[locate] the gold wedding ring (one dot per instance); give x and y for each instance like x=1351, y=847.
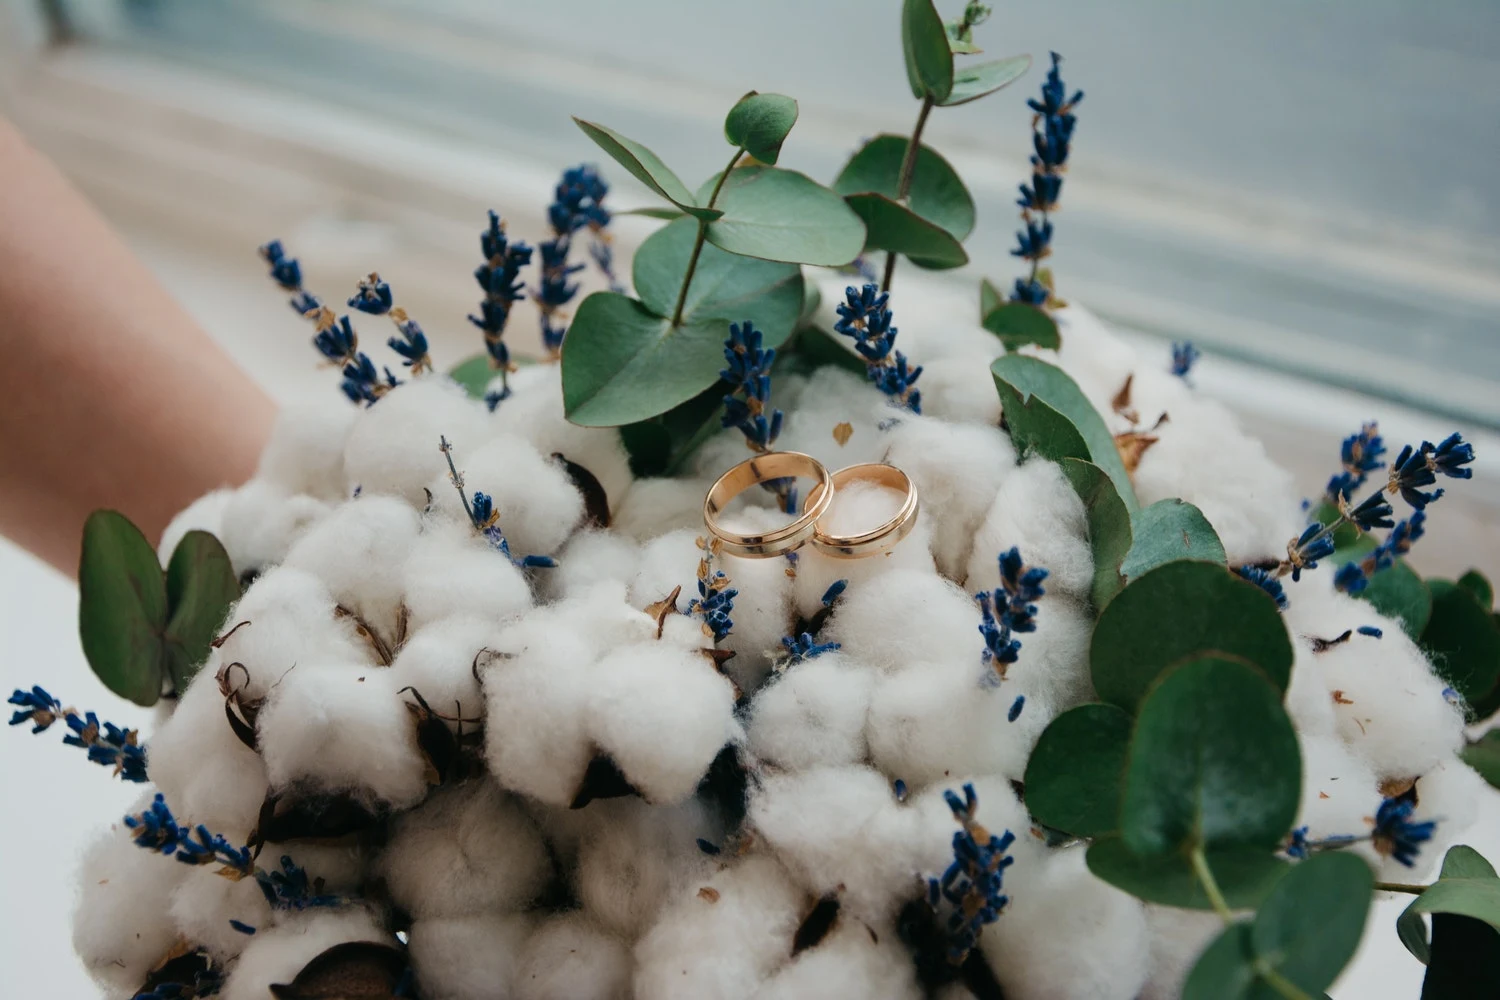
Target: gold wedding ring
x=880, y=539
x=760, y=469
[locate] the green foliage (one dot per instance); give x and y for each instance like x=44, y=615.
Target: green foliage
x=1466, y=886
x=893, y=227
x=1074, y=777
x=1018, y=324
x=1463, y=642
x=1109, y=525
x=1245, y=875
x=646, y=167
x=658, y=446
x=929, y=60
x=474, y=374
x=1169, y=530
x=936, y=192
x=1483, y=755
x=1396, y=591
x=143, y=628
x=1179, y=611
x=970, y=83
x=1475, y=583
x=759, y=124
x=781, y=215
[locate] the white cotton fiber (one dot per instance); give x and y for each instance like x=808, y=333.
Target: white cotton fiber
x=276, y=954
x=662, y=713
x=1054, y=660
x=929, y=844
x=121, y=925
x=858, y=508
x=537, y=739
x=453, y=571
x=762, y=609
x=723, y=935
x=1308, y=700
x=1037, y=511
x=588, y=557
x=667, y=562
x=962, y=389
x=355, y=550
x=305, y=453
x=1177, y=938
x=342, y=727
x=957, y=470
x=204, y=903
x=340, y=865
x=655, y=507
x=537, y=504
x=468, y=849
x=831, y=397
x=472, y=957
x=1067, y=935
x=393, y=447
x=905, y=616
x=1338, y=790
x=1091, y=353
x=812, y=714
x=569, y=957
x=261, y=521
x=633, y=857
x=1448, y=793
x=204, y=514
x=438, y=662
x=207, y=774
x=853, y=962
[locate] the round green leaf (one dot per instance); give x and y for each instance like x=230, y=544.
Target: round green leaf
x=1109, y=525
x=724, y=286
x=759, y=124
x=650, y=212
x=1019, y=323
x=1225, y=970
x=1462, y=640
x=201, y=588
x=1475, y=583
x=924, y=41
x=989, y=298
x=122, y=607
x=936, y=192
x=1310, y=925
x=781, y=215
x=1073, y=779
x=1396, y=591
x=1049, y=415
x=1483, y=755
x=1213, y=761
x=1169, y=530
x=892, y=226
x=1467, y=886
x=474, y=374
x=1177, y=611
x=1245, y=876
x=970, y=83
x=646, y=167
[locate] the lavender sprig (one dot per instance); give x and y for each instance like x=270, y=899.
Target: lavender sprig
x=374, y=297
x=715, y=601
x=107, y=744
x=485, y=518
x=1052, y=134
x=1009, y=609
x=500, y=278
x=577, y=204
x=748, y=371
x=863, y=317
x=973, y=883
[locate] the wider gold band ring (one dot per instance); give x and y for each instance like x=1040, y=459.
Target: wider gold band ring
x=882, y=538
x=760, y=469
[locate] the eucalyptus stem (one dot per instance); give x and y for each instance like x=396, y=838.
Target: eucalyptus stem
x=1277, y=981
x=903, y=179
x=687, y=278
x=1210, y=886
x=1415, y=890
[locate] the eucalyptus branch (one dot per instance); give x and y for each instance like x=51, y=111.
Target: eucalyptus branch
x=692, y=265
x=1415, y=890
x=1277, y=981
x=903, y=179
x=1210, y=886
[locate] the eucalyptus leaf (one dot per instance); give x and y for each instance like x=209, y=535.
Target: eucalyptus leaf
x=1050, y=416
x=781, y=215
x=1225, y=970
x=474, y=374
x=1019, y=323
x=1245, y=876
x=1213, y=762
x=1075, y=774
x=201, y=588
x=936, y=192
x=891, y=226
x=122, y=607
x=1396, y=591
x=646, y=167
x=1169, y=530
x=815, y=347
x=1463, y=642
x=651, y=212
x=1476, y=583
x=989, y=298
x=1466, y=886
x=659, y=445
x=759, y=124
x=725, y=285
x=924, y=42
x=1465, y=960
x=1178, y=611
x=1483, y=755
x=972, y=82
x=1110, y=533
x=1309, y=927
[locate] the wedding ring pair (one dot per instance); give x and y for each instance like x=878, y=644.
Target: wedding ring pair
x=805, y=529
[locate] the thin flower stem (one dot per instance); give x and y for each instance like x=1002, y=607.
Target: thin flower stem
x=1415, y=890
x=1210, y=887
x=1278, y=982
x=687, y=278
x=904, y=178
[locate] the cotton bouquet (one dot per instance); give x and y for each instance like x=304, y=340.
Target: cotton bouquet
x=460, y=698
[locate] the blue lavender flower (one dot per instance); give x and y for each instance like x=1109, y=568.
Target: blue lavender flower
x=804, y=647
x=1030, y=291
x=578, y=201
x=899, y=788
x=748, y=370
x=1034, y=242
x=410, y=342
x=1008, y=610
x=1395, y=835
x=1353, y=577
x=554, y=290
x=107, y=744
x=714, y=604
x=1265, y=581
x=362, y=384
x=834, y=592
x=37, y=707
x=1015, y=708
x=1316, y=542
x=485, y=519
x=1184, y=356
x=373, y=296
x=500, y=278
x=972, y=884
x=1360, y=455
x=285, y=271
x=1417, y=467
x=1370, y=513
x=1371, y=631
x=863, y=317
x=203, y=847
x=1052, y=134
x=1296, y=847
x=1299, y=848
x=291, y=889
x=156, y=829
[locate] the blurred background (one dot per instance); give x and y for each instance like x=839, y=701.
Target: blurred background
x=1306, y=189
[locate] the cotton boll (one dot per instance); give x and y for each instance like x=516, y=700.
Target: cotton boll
x=635, y=856
x=537, y=503
x=472, y=957
x=353, y=550
x=261, y=521
x=929, y=846
x=570, y=957
x=597, y=613
x=438, y=662
x=957, y=470
x=342, y=727
x=762, y=609
x=1338, y=789
x=203, y=904
x=204, y=514
x=588, y=557
x=1054, y=660
x=305, y=453
x=905, y=616
x=1178, y=937
x=537, y=739
x=1037, y=511
x=1092, y=354
x=723, y=935
x=276, y=954
x=667, y=562
x=854, y=962
x=1448, y=793
x=1069, y=936
x=451, y=571
x=121, y=925
x=855, y=509
x=1307, y=699
x=962, y=389
x=340, y=865
x=833, y=397
x=812, y=714
x=655, y=507
x=393, y=446
x=662, y=714
x=468, y=849
x=204, y=770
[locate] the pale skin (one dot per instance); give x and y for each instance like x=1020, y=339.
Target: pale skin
x=110, y=394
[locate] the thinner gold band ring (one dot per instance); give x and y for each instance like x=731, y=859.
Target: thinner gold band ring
x=760, y=469
x=879, y=539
